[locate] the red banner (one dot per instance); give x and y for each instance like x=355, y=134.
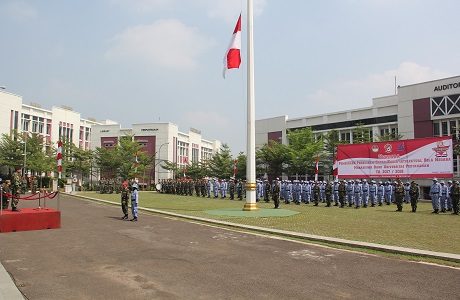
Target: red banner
x=419, y=158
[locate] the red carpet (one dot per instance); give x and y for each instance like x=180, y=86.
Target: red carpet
x=30, y=219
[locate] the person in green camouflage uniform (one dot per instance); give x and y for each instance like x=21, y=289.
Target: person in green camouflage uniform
x=455, y=194
x=414, y=194
x=16, y=186
x=276, y=192
x=328, y=192
x=5, y=190
x=342, y=193
x=124, y=199
x=316, y=192
x=399, y=194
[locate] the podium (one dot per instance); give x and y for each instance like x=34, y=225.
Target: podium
x=30, y=219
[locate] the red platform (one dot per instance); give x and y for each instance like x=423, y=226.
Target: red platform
x=30, y=219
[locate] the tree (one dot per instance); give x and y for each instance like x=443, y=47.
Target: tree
x=78, y=161
x=241, y=166
x=39, y=158
x=362, y=134
x=389, y=137
x=11, y=151
x=221, y=163
x=126, y=160
x=331, y=141
x=171, y=166
x=304, y=149
x=272, y=158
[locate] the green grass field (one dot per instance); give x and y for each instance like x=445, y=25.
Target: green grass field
x=382, y=225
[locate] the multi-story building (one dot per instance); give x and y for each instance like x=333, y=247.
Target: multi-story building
x=163, y=141
x=419, y=110
x=59, y=123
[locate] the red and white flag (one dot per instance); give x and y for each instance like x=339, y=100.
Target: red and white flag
x=316, y=169
x=235, y=168
x=59, y=158
x=334, y=168
x=232, y=59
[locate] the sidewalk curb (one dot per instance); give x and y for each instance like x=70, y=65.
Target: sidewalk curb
x=8, y=290
x=305, y=236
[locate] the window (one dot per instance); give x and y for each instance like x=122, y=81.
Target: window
x=436, y=131
x=345, y=136
x=444, y=128
x=453, y=127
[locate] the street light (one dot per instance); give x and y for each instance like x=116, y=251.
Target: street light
x=25, y=157
x=158, y=164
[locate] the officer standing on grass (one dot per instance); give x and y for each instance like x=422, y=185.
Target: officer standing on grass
x=399, y=194
x=435, y=189
x=414, y=195
x=455, y=195
x=276, y=192
x=342, y=193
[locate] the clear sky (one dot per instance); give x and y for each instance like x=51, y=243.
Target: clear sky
x=136, y=61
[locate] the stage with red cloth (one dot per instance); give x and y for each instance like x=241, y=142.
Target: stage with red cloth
x=30, y=219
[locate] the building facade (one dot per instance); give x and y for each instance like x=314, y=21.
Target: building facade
x=59, y=123
x=419, y=110
x=164, y=141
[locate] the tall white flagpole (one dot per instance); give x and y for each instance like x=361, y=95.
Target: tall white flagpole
x=251, y=137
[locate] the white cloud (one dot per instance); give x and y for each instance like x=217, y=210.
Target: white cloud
x=202, y=119
x=165, y=43
x=18, y=10
x=357, y=93
x=145, y=6
x=229, y=10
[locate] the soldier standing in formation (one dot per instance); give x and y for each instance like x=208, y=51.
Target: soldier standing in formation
x=276, y=192
x=372, y=193
x=16, y=187
x=455, y=195
x=328, y=190
x=414, y=194
x=342, y=193
x=232, y=186
x=435, y=189
x=399, y=194
x=5, y=191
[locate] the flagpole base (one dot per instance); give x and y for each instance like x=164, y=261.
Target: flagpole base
x=250, y=207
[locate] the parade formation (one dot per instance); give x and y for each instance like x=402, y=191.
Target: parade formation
x=341, y=193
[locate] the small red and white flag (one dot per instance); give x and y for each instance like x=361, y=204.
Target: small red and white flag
x=235, y=169
x=334, y=168
x=316, y=169
x=232, y=59
x=59, y=158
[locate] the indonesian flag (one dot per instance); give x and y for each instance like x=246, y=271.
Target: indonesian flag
x=232, y=58
x=59, y=157
x=235, y=169
x=334, y=167
x=316, y=169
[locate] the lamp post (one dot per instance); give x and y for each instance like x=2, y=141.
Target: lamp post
x=25, y=157
x=158, y=164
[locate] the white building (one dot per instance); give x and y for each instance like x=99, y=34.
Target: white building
x=162, y=140
x=419, y=110
x=55, y=124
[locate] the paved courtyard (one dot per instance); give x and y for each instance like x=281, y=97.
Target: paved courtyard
x=95, y=255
